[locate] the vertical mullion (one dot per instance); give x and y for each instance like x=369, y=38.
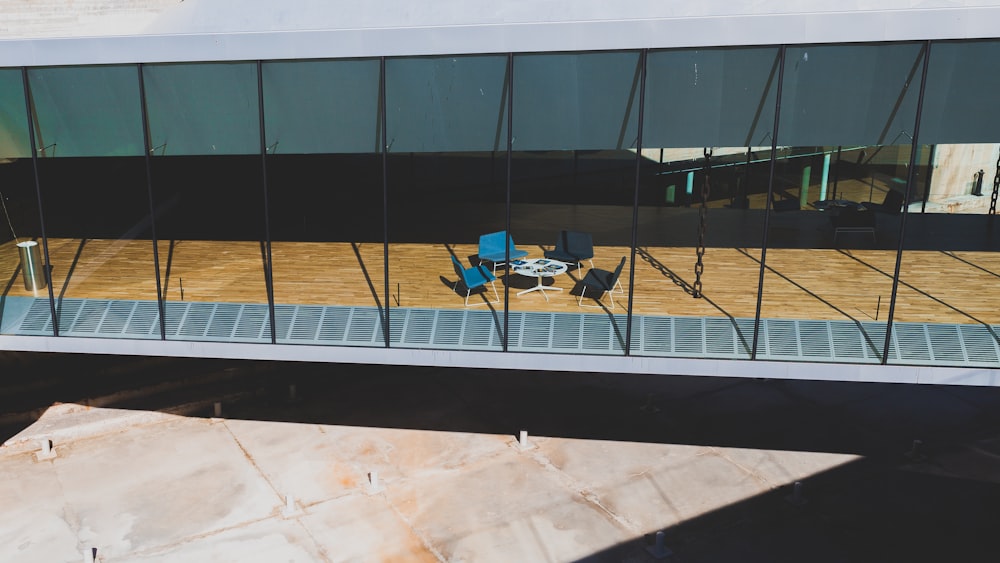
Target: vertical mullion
x=268, y=272
x=385, y=200
x=30, y=108
x=147, y=145
x=911, y=173
x=510, y=144
x=635, y=202
x=768, y=208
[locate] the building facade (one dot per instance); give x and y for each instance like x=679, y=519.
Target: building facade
x=805, y=194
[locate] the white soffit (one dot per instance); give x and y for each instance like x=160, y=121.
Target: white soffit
x=197, y=30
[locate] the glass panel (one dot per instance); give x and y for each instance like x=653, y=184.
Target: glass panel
x=86, y=111
x=443, y=195
x=95, y=200
x=321, y=107
x=722, y=100
x=843, y=149
x=24, y=304
x=576, y=101
x=209, y=207
x=945, y=306
x=205, y=108
x=14, y=142
x=573, y=187
x=325, y=205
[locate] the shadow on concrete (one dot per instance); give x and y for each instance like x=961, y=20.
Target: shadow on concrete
x=941, y=505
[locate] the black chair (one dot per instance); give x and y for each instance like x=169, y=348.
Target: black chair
x=573, y=246
x=891, y=205
x=601, y=282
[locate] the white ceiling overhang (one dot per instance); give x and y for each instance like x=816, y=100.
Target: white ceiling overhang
x=218, y=30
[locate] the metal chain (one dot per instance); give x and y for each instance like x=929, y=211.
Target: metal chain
x=996, y=190
x=699, y=265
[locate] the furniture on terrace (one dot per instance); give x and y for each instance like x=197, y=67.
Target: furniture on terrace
x=491, y=248
x=472, y=278
x=601, y=282
x=573, y=246
x=892, y=204
x=539, y=268
x=853, y=220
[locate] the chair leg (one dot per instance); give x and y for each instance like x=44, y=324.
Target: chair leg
x=599, y=305
x=467, y=293
x=591, y=260
x=495, y=294
x=620, y=288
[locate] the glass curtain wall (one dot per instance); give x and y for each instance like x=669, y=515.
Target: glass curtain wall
x=95, y=199
x=945, y=311
x=846, y=129
x=446, y=122
x=21, y=224
x=575, y=131
x=208, y=200
x=709, y=121
x=325, y=200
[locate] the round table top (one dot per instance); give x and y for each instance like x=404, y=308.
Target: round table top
x=539, y=267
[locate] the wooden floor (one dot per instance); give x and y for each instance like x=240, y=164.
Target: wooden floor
x=828, y=284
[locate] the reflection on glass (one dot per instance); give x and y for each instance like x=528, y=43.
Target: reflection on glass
x=208, y=200
x=707, y=135
x=95, y=200
x=572, y=188
x=847, y=120
x=24, y=305
x=446, y=127
x=325, y=201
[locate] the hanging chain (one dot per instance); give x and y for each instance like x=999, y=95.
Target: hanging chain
x=699, y=265
x=996, y=190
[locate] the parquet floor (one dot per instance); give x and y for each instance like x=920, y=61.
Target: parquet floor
x=935, y=286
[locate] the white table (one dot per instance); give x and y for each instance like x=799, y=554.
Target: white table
x=539, y=268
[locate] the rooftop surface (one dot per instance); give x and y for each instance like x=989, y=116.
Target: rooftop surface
x=610, y=460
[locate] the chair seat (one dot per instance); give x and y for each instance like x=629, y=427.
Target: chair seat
x=501, y=256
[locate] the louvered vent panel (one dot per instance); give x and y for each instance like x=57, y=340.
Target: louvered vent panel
x=814, y=338
x=448, y=328
x=980, y=344
x=66, y=312
x=399, y=320
x=334, y=325
x=567, y=332
x=536, y=330
x=744, y=337
x=873, y=337
x=38, y=320
x=479, y=330
x=720, y=337
x=419, y=327
x=657, y=334
x=618, y=327
x=912, y=342
x=689, y=336
x=89, y=318
x=196, y=320
x=145, y=320
x=946, y=344
x=222, y=323
x=254, y=323
x=596, y=334
x=364, y=324
x=782, y=338
x=175, y=316
x=306, y=324
x=848, y=341
x=284, y=318
x=116, y=317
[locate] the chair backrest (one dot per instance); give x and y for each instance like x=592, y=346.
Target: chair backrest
x=893, y=202
x=493, y=242
x=578, y=243
x=616, y=274
x=458, y=268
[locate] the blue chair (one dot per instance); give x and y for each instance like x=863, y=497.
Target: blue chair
x=471, y=278
x=601, y=282
x=491, y=248
x=573, y=246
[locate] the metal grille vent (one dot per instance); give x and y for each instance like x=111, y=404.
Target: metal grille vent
x=573, y=333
